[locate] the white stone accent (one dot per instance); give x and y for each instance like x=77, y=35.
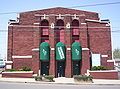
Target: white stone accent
x=36, y=23
x=98, y=21
x=68, y=48
x=108, y=25
x=110, y=60
x=83, y=23
x=85, y=48
x=8, y=66
x=104, y=55
x=8, y=61
x=28, y=56
x=52, y=25
x=18, y=72
x=35, y=49
x=52, y=48
x=68, y=25
x=92, y=20
x=105, y=71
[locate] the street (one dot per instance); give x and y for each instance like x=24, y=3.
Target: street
x=6, y=85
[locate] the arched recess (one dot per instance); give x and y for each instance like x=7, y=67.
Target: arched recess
x=59, y=31
x=75, y=30
x=76, y=58
x=60, y=59
x=44, y=31
x=44, y=57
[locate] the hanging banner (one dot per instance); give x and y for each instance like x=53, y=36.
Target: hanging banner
x=60, y=51
x=44, y=51
x=76, y=51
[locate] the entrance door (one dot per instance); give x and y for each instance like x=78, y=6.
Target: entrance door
x=44, y=68
x=76, y=67
x=60, y=68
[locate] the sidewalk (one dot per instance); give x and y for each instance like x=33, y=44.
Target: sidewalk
x=61, y=80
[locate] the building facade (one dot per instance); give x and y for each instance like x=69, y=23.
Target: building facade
x=58, y=41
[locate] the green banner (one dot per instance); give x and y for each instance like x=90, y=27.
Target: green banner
x=76, y=51
x=60, y=51
x=44, y=51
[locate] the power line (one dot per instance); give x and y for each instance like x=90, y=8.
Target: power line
x=101, y=4
x=89, y=5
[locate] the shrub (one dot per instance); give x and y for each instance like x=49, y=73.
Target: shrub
x=11, y=70
x=49, y=77
x=83, y=78
x=98, y=68
x=25, y=68
x=46, y=78
x=38, y=78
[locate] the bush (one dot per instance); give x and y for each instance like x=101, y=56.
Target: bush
x=11, y=70
x=25, y=68
x=83, y=78
x=38, y=78
x=98, y=68
x=46, y=78
x=49, y=78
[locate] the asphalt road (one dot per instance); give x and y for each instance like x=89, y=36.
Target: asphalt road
x=6, y=85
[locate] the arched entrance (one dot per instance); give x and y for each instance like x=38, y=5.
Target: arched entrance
x=60, y=59
x=44, y=58
x=76, y=58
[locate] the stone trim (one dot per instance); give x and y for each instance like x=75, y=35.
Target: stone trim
x=68, y=48
x=8, y=62
x=35, y=49
x=110, y=60
x=104, y=55
x=104, y=71
x=18, y=72
x=83, y=23
x=98, y=21
x=85, y=49
x=52, y=48
x=36, y=23
x=28, y=56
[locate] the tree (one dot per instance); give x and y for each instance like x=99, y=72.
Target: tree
x=116, y=53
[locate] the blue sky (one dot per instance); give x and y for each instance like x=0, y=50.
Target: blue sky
x=106, y=12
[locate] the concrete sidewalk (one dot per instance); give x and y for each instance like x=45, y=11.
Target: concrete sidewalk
x=61, y=80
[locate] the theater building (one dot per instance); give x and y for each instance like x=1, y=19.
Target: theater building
x=58, y=41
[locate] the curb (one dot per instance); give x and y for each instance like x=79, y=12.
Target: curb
x=56, y=83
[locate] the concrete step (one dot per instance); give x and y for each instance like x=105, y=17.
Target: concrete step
x=64, y=80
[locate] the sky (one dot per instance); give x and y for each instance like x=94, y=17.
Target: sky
x=110, y=12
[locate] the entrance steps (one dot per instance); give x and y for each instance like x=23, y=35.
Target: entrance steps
x=64, y=80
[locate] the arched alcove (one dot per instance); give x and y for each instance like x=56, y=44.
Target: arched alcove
x=75, y=30
x=59, y=31
x=44, y=31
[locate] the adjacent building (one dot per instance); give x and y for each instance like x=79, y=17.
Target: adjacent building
x=58, y=41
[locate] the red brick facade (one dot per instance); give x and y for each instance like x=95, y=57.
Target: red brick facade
x=25, y=36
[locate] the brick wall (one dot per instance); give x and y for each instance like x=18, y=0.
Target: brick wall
x=107, y=74
x=17, y=74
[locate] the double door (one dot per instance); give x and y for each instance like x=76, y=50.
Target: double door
x=60, y=68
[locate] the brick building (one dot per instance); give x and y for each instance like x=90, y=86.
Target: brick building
x=58, y=41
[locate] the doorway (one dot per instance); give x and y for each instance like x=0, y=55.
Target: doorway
x=45, y=68
x=76, y=67
x=60, y=68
